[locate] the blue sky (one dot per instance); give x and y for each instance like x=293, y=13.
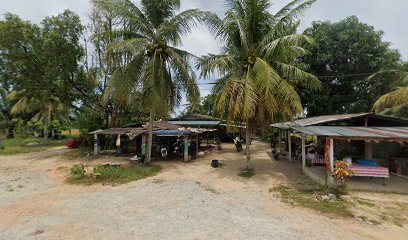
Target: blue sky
x=389, y=16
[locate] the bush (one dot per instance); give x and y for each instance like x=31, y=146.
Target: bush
x=341, y=171
x=108, y=172
x=78, y=171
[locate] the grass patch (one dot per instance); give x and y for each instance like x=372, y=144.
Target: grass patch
x=19, y=145
x=365, y=203
x=158, y=181
x=78, y=153
x=115, y=175
x=247, y=174
x=309, y=197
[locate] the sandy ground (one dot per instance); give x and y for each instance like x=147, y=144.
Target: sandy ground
x=184, y=201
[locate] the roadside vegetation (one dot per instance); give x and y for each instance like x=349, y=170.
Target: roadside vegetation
x=366, y=207
x=110, y=175
x=19, y=145
x=319, y=198
x=246, y=174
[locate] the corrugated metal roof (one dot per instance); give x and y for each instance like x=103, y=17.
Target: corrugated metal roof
x=395, y=133
x=318, y=120
x=196, y=123
x=116, y=131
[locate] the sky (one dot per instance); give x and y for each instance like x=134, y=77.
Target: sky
x=389, y=16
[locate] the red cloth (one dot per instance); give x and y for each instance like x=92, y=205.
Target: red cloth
x=369, y=171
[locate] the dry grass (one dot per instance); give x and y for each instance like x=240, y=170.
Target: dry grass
x=310, y=197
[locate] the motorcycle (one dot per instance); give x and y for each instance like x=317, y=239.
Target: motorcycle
x=275, y=150
x=219, y=147
x=238, y=145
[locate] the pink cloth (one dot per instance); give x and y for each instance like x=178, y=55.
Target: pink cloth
x=369, y=171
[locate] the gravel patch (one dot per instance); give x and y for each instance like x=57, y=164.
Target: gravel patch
x=176, y=209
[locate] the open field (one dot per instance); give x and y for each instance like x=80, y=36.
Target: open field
x=183, y=201
x=28, y=144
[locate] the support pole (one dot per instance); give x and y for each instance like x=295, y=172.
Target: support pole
x=96, y=145
x=144, y=145
x=303, y=152
x=197, y=146
x=290, y=146
x=330, y=178
x=185, y=139
x=331, y=154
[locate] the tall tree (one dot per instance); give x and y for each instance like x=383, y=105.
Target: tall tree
x=344, y=54
x=257, y=63
x=397, y=98
x=5, y=109
x=42, y=66
x=150, y=61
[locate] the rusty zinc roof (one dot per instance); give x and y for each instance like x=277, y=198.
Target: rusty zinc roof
x=364, y=133
x=318, y=120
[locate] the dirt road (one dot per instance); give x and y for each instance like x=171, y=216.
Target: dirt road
x=184, y=201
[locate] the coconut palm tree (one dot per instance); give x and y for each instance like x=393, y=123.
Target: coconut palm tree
x=43, y=108
x=256, y=66
x=5, y=110
x=399, y=90
x=150, y=61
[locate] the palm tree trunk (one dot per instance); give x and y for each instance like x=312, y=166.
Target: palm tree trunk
x=149, y=140
x=247, y=146
x=10, y=129
x=45, y=132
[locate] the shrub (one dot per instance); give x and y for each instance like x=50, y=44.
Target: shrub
x=341, y=171
x=108, y=172
x=78, y=171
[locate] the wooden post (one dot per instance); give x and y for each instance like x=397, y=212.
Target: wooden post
x=290, y=146
x=330, y=179
x=331, y=154
x=185, y=139
x=143, y=144
x=303, y=152
x=96, y=145
x=197, y=145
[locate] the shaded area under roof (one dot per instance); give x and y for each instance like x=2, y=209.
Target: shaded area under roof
x=121, y=131
x=196, y=123
x=132, y=132
x=373, y=133
x=318, y=120
x=195, y=117
x=173, y=132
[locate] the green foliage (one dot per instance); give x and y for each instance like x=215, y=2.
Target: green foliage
x=78, y=171
x=247, y=174
x=396, y=101
x=349, y=51
x=41, y=66
x=257, y=63
x=19, y=145
x=116, y=175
